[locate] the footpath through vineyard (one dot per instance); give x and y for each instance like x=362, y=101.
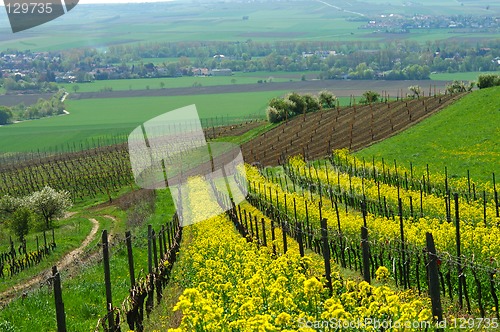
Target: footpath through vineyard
x=64, y=263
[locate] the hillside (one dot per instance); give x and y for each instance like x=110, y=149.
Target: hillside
x=464, y=137
x=356, y=127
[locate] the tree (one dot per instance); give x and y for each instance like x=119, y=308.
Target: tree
x=76, y=87
x=49, y=204
x=283, y=106
x=162, y=85
x=312, y=103
x=459, y=86
x=416, y=90
x=327, y=99
x=370, y=97
x=5, y=115
x=20, y=222
x=274, y=115
x=16, y=215
x=172, y=69
x=299, y=106
x=9, y=204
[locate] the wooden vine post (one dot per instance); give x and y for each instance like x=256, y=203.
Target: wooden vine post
x=60, y=315
x=326, y=254
x=432, y=268
x=107, y=280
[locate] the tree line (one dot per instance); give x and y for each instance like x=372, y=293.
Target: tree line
x=394, y=60
x=42, y=108
x=293, y=104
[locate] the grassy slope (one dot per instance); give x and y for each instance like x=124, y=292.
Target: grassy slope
x=463, y=136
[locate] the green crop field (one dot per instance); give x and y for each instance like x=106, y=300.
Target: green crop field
x=175, y=82
x=463, y=136
x=98, y=118
x=469, y=76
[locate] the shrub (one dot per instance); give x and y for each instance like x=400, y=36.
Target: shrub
x=327, y=99
x=415, y=90
x=459, y=86
x=370, y=97
x=274, y=115
x=5, y=115
x=488, y=81
x=20, y=222
x=312, y=103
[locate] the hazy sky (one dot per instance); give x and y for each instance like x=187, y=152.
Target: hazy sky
x=117, y=1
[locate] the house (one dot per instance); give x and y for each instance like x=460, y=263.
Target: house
x=200, y=71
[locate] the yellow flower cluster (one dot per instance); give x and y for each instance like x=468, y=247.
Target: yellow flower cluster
x=233, y=285
x=456, y=183
x=382, y=273
x=432, y=205
x=478, y=241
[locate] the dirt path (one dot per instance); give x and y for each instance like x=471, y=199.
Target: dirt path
x=69, y=258
x=64, y=262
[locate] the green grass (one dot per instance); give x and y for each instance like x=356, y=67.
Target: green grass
x=83, y=293
x=470, y=76
x=108, y=120
x=177, y=82
x=462, y=137
x=68, y=235
x=93, y=119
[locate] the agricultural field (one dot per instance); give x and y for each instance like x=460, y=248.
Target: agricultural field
x=469, y=76
x=177, y=82
x=281, y=223
x=105, y=119
x=103, y=25
x=110, y=116
x=461, y=139
x=353, y=127
x=380, y=216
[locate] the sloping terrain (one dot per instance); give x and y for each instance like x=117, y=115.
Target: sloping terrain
x=316, y=134
x=462, y=138
x=313, y=136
